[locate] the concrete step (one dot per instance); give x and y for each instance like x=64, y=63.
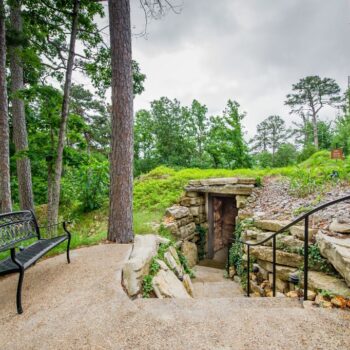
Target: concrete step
x=217, y=290
x=211, y=283
x=199, y=309
x=208, y=274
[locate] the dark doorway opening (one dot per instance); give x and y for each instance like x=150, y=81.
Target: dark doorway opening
x=222, y=213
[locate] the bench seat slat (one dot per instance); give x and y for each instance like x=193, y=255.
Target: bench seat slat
x=30, y=254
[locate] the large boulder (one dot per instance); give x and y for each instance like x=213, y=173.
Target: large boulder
x=282, y=258
x=172, y=259
x=340, y=225
x=145, y=248
x=187, y=230
x=299, y=232
x=321, y=281
x=177, y=212
x=187, y=283
x=337, y=252
x=270, y=225
x=282, y=272
x=189, y=250
x=167, y=285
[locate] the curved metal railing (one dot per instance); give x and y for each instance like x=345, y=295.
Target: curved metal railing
x=304, y=217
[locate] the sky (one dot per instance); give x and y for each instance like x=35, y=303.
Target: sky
x=251, y=51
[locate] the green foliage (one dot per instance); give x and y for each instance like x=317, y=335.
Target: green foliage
x=316, y=260
x=184, y=263
x=178, y=136
x=326, y=293
x=342, y=133
x=164, y=232
x=94, y=182
x=154, y=267
x=313, y=92
x=236, y=256
x=286, y=155
x=202, y=232
x=147, y=222
x=263, y=159
x=163, y=186
x=162, y=249
x=147, y=287
x=271, y=134
x=225, y=144
x=306, y=152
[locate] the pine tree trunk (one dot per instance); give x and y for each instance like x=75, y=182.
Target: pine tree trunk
x=121, y=169
x=20, y=137
x=5, y=189
x=54, y=193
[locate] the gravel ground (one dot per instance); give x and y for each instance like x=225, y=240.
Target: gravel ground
x=83, y=306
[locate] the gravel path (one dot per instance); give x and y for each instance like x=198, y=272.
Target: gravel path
x=82, y=306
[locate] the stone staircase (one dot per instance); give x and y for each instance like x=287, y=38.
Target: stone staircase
x=220, y=317
x=210, y=283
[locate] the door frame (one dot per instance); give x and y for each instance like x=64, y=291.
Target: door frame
x=211, y=197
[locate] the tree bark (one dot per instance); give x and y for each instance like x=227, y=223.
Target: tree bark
x=20, y=137
x=120, y=227
x=5, y=188
x=54, y=193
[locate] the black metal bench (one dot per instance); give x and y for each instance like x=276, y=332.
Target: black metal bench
x=19, y=227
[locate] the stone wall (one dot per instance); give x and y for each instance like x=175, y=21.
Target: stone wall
x=192, y=209
x=322, y=275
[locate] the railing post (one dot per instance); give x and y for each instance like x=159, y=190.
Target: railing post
x=306, y=255
x=274, y=266
x=248, y=271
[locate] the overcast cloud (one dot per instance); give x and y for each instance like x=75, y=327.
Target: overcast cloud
x=251, y=51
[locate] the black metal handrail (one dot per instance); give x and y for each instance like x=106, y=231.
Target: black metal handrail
x=304, y=217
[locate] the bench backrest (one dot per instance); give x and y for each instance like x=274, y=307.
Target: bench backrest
x=16, y=227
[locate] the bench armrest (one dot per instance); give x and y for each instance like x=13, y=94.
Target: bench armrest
x=64, y=226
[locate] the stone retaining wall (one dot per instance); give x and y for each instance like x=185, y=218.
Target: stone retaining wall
x=289, y=261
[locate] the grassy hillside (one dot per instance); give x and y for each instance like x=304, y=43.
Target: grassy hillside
x=163, y=186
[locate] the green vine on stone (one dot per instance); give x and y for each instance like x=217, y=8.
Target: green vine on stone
x=184, y=263
x=202, y=241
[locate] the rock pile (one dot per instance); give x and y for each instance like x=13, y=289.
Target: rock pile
x=145, y=248
x=289, y=276
x=170, y=280
x=179, y=221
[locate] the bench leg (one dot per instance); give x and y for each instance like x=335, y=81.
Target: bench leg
x=19, y=292
x=68, y=245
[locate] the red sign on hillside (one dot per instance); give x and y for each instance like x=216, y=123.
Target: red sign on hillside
x=337, y=154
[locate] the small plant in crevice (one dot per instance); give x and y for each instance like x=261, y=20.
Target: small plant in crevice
x=162, y=249
x=236, y=252
x=164, y=232
x=316, y=260
x=184, y=263
x=326, y=293
x=258, y=181
x=154, y=267
x=202, y=232
x=147, y=286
